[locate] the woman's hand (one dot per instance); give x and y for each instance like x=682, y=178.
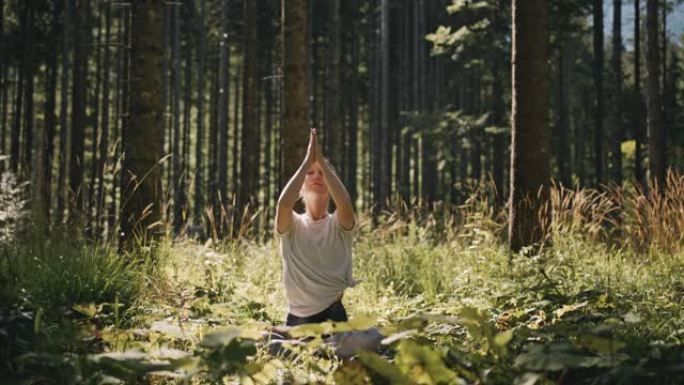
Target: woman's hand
x=290, y=193
x=318, y=153
x=311, y=152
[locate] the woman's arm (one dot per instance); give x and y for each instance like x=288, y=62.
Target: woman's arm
x=290, y=193
x=345, y=210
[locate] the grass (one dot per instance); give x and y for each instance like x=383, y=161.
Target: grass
x=601, y=304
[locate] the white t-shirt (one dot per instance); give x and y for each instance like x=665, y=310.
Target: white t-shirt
x=317, y=263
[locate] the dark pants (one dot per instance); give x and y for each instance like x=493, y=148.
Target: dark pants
x=334, y=312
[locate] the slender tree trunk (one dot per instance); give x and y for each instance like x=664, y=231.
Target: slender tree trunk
x=15, y=139
x=249, y=163
x=3, y=82
x=123, y=120
x=598, y=90
x=267, y=91
x=50, y=116
x=222, y=110
x=498, y=109
x=28, y=143
x=199, y=157
x=384, y=150
x=529, y=120
x=353, y=103
x=142, y=137
x=185, y=142
x=656, y=139
x=91, y=209
x=64, y=113
x=562, y=142
x=104, y=138
x=295, y=115
x=78, y=111
x=616, y=151
x=235, y=160
x=333, y=129
x=212, y=183
x=176, y=118
x=639, y=173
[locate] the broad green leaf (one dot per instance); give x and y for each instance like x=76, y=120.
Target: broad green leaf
x=553, y=357
x=600, y=344
x=502, y=339
x=89, y=310
x=224, y=336
x=422, y=364
x=380, y=367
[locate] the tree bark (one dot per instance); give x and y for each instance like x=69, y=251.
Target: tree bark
x=104, y=139
x=177, y=172
x=78, y=111
x=64, y=113
x=199, y=145
x=143, y=136
x=15, y=134
x=656, y=139
x=598, y=90
x=222, y=115
x=249, y=149
x=616, y=150
x=639, y=173
x=295, y=114
x=333, y=129
x=529, y=121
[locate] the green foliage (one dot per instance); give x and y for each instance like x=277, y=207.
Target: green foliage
x=58, y=274
x=437, y=284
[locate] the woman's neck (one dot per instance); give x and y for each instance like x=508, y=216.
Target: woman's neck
x=318, y=212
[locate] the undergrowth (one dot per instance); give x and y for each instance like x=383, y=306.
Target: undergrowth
x=600, y=303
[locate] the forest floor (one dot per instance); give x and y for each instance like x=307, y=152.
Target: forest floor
x=458, y=308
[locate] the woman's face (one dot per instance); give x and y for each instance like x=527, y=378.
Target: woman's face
x=314, y=183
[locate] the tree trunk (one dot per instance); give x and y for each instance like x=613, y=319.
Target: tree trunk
x=656, y=139
x=123, y=115
x=562, y=142
x=333, y=129
x=295, y=114
x=104, y=139
x=529, y=121
x=384, y=150
x=28, y=143
x=212, y=182
x=222, y=114
x=143, y=137
x=352, y=146
x=199, y=145
x=639, y=173
x=249, y=145
x=64, y=113
x=187, y=107
x=3, y=82
x=598, y=90
x=15, y=135
x=616, y=150
x=176, y=118
x=498, y=109
x=50, y=117
x=78, y=111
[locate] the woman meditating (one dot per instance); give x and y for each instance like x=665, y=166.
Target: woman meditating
x=316, y=246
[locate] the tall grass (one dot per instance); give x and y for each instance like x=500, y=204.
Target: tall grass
x=58, y=273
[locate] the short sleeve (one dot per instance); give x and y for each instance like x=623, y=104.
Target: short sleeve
x=347, y=233
x=290, y=231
